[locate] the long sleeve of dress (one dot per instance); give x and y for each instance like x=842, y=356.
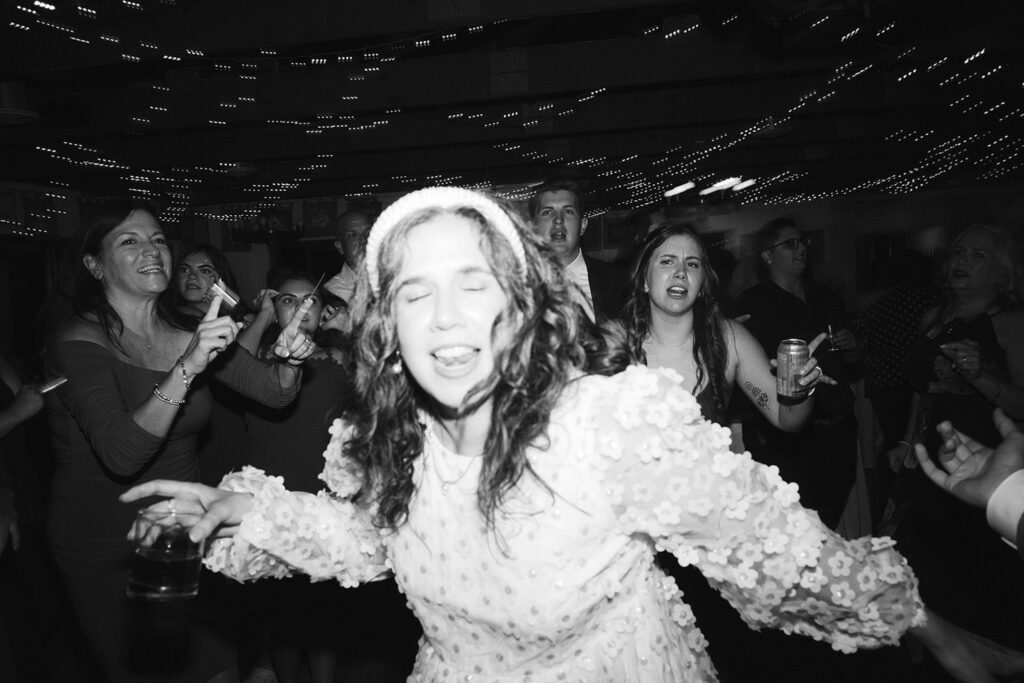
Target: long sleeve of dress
x=93, y=396
x=326, y=535
x=253, y=378
x=671, y=475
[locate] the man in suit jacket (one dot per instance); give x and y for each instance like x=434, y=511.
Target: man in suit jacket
x=985, y=477
x=352, y=228
x=556, y=210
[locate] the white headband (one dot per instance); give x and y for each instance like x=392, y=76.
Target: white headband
x=444, y=198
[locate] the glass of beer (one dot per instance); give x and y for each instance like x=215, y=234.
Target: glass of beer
x=165, y=561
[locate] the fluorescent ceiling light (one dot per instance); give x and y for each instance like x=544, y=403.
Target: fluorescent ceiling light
x=744, y=185
x=725, y=184
x=679, y=189
x=720, y=185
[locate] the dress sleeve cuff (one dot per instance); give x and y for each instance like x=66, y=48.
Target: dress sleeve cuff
x=1006, y=506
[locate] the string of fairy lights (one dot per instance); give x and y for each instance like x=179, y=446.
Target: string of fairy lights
x=995, y=153
x=993, y=149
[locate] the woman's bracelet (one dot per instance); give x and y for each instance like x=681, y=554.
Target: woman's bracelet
x=906, y=443
x=185, y=377
x=160, y=395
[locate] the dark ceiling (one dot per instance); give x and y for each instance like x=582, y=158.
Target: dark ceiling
x=196, y=103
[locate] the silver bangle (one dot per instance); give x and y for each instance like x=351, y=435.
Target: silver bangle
x=160, y=395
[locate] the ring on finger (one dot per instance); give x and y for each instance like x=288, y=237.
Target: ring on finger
x=170, y=506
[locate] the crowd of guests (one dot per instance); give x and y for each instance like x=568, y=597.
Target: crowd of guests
x=476, y=418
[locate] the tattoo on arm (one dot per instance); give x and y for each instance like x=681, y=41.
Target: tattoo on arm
x=759, y=394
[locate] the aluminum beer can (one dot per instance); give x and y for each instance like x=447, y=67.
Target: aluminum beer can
x=791, y=356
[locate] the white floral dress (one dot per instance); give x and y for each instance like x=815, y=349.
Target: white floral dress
x=565, y=588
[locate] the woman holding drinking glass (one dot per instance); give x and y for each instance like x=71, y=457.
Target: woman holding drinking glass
x=135, y=400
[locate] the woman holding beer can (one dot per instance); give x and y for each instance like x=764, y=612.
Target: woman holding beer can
x=672, y=320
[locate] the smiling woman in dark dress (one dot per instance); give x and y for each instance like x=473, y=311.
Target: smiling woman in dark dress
x=135, y=400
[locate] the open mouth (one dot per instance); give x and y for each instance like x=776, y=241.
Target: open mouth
x=677, y=292
x=959, y=272
x=152, y=270
x=452, y=361
x=558, y=235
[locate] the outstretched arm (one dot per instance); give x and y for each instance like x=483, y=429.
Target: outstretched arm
x=981, y=476
x=263, y=530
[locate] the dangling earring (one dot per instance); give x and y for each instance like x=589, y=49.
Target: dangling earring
x=395, y=366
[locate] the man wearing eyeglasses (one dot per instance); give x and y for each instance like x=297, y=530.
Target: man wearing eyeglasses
x=787, y=304
x=822, y=458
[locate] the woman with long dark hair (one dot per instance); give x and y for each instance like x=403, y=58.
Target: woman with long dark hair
x=135, y=400
x=519, y=498
x=197, y=268
x=672, y=320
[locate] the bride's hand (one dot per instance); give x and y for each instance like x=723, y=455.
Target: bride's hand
x=220, y=512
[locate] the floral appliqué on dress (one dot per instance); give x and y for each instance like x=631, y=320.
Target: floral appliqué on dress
x=564, y=588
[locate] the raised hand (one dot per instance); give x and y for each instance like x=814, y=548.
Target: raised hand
x=264, y=301
x=220, y=511
x=973, y=471
x=213, y=335
x=810, y=375
x=293, y=344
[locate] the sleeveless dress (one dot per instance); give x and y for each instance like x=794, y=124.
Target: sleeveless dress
x=564, y=588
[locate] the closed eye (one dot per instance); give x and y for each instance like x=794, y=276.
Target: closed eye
x=413, y=293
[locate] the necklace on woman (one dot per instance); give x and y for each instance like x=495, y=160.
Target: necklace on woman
x=148, y=343
x=447, y=483
x=438, y=453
